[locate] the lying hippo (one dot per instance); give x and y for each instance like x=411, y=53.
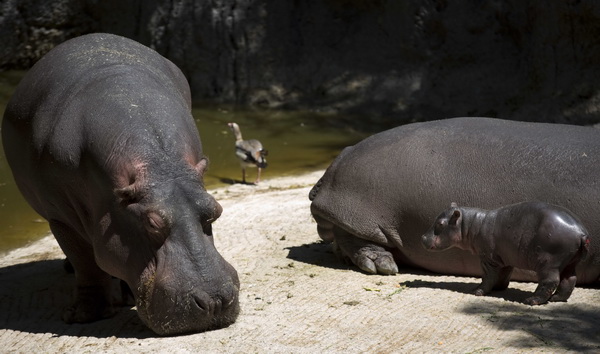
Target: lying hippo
x=379, y=196
x=101, y=141
x=544, y=238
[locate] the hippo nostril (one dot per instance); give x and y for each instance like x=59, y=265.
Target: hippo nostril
x=229, y=295
x=228, y=302
x=202, y=301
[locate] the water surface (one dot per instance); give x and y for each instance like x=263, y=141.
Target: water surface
x=297, y=142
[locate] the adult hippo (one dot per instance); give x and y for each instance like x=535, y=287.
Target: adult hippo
x=379, y=196
x=101, y=142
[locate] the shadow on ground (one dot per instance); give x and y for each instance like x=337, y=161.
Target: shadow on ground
x=571, y=326
x=574, y=327
x=33, y=295
x=319, y=254
x=510, y=294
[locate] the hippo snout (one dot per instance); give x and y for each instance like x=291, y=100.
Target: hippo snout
x=211, y=306
x=171, y=313
x=173, y=300
x=427, y=242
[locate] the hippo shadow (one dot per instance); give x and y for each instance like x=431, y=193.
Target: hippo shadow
x=321, y=254
x=318, y=253
x=509, y=294
x=33, y=296
x=573, y=327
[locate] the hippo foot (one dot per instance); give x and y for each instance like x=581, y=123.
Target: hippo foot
x=535, y=300
x=370, y=258
x=83, y=313
x=90, y=306
x=478, y=292
x=558, y=298
x=376, y=261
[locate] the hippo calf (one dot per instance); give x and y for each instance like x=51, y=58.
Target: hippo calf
x=378, y=197
x=545, y=238
x=101, y=142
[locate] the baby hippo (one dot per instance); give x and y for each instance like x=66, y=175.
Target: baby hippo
x=536, y=236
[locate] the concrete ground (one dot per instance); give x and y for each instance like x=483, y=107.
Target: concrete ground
x=296, y=297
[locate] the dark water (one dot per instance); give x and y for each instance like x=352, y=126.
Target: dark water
x=297, y=142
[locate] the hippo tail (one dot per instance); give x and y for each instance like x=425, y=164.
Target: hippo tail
x=584, y=248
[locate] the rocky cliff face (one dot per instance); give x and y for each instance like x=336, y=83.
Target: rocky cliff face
x=395, y=61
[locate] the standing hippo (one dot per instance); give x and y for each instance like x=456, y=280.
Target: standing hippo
x=101, y=142
x=545, y=238
x=379, y=196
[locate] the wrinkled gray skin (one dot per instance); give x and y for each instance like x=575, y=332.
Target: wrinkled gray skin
x=379, y=196
x=544, y=238
x=101, y=142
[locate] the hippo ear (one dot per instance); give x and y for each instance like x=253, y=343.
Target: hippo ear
x=453, y=205
x=129, y=194
x=201, y=166
x=455, y=217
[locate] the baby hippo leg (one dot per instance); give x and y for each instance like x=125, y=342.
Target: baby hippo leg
x=566, y=285
x=493, y=275
x=503, y=278
x=548, y=280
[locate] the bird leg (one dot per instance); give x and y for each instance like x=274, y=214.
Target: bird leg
x=243, y=175
x=258, y=176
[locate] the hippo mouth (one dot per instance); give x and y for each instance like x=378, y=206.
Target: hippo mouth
x=168, y=308
x=431, y=243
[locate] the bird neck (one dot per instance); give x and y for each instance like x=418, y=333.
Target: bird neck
x=237, y=133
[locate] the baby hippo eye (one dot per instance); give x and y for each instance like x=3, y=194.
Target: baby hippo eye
x=439, y=227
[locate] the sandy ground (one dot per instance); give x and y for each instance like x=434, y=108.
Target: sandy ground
x=297, y=298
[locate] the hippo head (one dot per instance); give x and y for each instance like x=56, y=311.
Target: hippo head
x=161, y=243
x=446, y=230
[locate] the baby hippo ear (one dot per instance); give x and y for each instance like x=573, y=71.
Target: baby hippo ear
x=455, y=218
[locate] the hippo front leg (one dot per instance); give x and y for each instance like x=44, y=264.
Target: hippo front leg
x=369, y=257
x=495, y=277
x=92, y=294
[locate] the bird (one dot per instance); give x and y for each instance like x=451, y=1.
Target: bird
x=249, y=152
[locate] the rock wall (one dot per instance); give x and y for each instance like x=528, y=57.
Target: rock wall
x=394, y=61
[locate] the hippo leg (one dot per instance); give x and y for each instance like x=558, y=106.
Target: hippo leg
x=503, y=278
x=493, y=276
x=324, y=228
x=547, y=284
x=92, y=295
x=368, y=256
x=568, y=279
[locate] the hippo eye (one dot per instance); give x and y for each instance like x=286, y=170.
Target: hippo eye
x=439, y=227
x=155, y=222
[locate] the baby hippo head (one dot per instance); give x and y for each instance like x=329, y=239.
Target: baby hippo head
x=446, y=230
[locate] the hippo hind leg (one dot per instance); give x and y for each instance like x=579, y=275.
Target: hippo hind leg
x=568, y=278
x=92, y=295
x=369, y=257
x=324, y=228
x=548, y=281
